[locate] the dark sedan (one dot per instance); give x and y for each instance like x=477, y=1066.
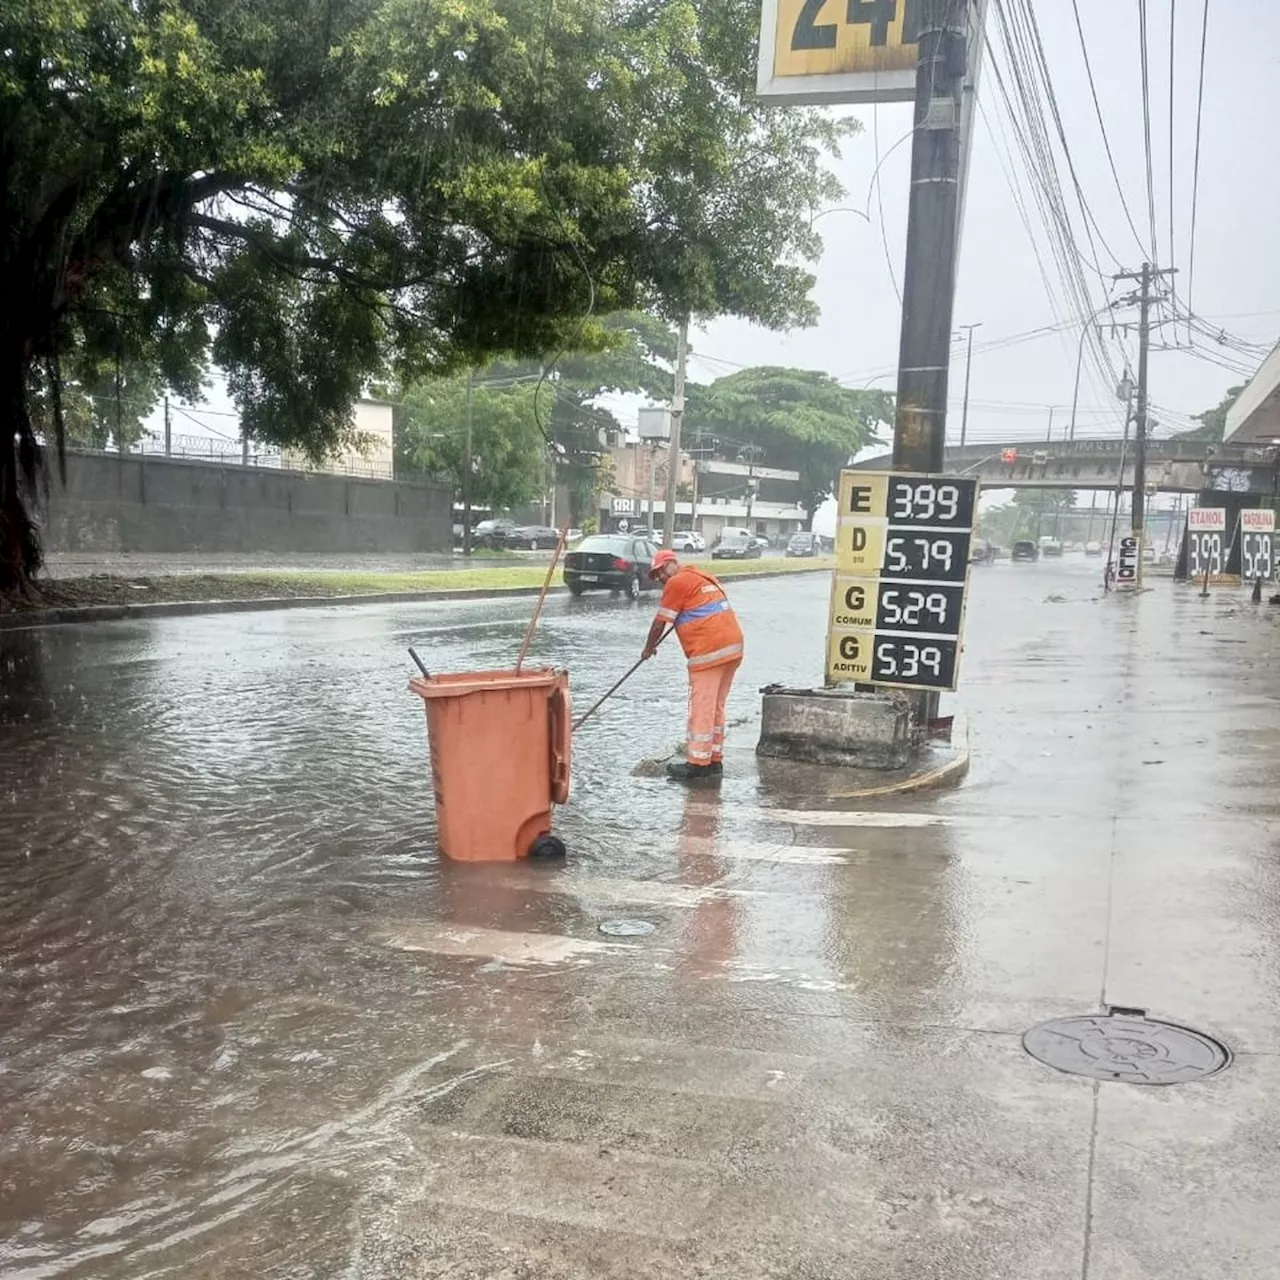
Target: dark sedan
x=532, y=537
x=610, y=562
x=804, y=544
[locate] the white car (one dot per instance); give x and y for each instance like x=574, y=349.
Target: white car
x=688, y=540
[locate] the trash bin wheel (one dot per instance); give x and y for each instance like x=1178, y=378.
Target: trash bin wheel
x=547, y=846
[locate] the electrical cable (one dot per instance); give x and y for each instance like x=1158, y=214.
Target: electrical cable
x=1146, y=128
x=1195, y=175
x=1173, y=259
x=1102, y=124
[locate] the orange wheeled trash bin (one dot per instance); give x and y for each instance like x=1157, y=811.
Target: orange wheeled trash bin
x=501, y=750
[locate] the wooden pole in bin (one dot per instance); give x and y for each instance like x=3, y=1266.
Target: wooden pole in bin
x=542, y=595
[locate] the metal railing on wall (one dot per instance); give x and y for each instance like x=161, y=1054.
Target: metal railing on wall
x=228, y=452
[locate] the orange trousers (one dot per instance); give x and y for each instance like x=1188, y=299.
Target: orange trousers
x=708, y=693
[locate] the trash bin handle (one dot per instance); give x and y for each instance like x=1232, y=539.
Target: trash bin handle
x=561, y=743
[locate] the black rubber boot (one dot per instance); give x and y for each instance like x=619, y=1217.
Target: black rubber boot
x=683, y=771
x=717, y=768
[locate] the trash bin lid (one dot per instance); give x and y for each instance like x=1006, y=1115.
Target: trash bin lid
x=464, y=682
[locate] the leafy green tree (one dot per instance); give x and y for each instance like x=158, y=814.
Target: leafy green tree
x=1213, y=422
x=509, y=461
x=318, y=194
x=800, y=420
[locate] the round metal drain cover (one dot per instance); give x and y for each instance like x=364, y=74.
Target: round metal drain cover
x=1125, y=1045
x=626, y=928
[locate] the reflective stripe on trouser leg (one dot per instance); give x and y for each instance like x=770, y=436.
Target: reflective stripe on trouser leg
x=725, y=683
x=704, y=690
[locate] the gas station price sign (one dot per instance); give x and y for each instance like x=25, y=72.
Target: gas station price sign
x=902, y=566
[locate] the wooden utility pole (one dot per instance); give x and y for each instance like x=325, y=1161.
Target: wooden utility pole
x=924, y=351
x=677, y=423
x=1138, y=507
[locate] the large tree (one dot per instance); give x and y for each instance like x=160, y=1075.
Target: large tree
x=1213, y=422
x=795, y=419
x=508, y=462
x=317, y=193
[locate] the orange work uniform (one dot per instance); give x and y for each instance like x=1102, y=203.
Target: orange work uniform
x=696, y=605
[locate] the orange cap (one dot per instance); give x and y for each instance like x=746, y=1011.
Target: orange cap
x=660, y=558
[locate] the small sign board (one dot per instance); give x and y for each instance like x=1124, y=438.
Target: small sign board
x=1257, y=544
x=1129, y=563
x=1207, y=545
x=838, y=50
x=902, y=568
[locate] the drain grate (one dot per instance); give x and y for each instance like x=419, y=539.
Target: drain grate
x=1125, y=1045
x=627, y=928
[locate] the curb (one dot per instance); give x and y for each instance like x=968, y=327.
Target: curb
x=27, y=620
x=949, y=773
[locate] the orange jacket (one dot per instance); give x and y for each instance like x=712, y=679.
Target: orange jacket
x=704, y=620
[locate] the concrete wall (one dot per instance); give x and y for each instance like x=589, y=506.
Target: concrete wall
x=136, y=503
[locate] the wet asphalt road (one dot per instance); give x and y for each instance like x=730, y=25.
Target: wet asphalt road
x=251, y=1026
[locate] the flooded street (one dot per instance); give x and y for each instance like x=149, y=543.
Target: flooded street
x=252, y=1026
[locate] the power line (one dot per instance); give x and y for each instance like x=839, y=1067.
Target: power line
x=1195, y=177
x=1146, y=126
x=1173, y=280
x=1102, y=124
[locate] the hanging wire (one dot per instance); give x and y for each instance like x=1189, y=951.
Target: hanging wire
x=1195, y=175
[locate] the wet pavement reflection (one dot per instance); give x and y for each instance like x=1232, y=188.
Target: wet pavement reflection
x=252, y=1026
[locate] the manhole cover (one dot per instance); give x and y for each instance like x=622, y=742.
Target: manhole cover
x=1126, y=1045
x=626, y=928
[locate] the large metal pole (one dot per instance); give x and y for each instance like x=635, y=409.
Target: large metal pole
x=929, y=280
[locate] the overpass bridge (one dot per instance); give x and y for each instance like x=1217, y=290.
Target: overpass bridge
x=1173, y=466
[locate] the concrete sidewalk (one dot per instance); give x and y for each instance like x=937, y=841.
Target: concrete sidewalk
x=814, y=1065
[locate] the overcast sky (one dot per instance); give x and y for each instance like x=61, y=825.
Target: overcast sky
x=1001, y=284
x=1237, y=262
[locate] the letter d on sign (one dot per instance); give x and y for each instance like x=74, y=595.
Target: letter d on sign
x=859, y=540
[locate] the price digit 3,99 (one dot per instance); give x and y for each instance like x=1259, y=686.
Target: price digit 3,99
x=937, y=503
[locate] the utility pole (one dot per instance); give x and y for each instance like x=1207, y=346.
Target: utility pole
x=466, y=469
x=168, y=427
x=968, y=365
x=1138, y=512
x=653, y=466
x=677, y=423
x=924, y=350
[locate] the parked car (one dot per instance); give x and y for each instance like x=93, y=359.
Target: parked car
x=532, y=537
x=763, y=542
x=803, y=544
x=491, y=533
x=736, y=544
x=981, y=551
x=610, y=562
x=688, y=540
x=1093, y=548
x=1025, y=550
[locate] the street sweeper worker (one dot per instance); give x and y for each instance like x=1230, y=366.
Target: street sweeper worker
x=695, y=604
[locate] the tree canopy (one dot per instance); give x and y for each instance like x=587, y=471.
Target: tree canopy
x=318, y=193
x=798, y=419
x=1213, y=422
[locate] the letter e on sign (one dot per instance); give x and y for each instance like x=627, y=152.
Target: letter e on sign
x=860, y=500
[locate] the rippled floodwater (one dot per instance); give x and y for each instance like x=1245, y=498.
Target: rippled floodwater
x=248, y=1019
x=205, y=823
